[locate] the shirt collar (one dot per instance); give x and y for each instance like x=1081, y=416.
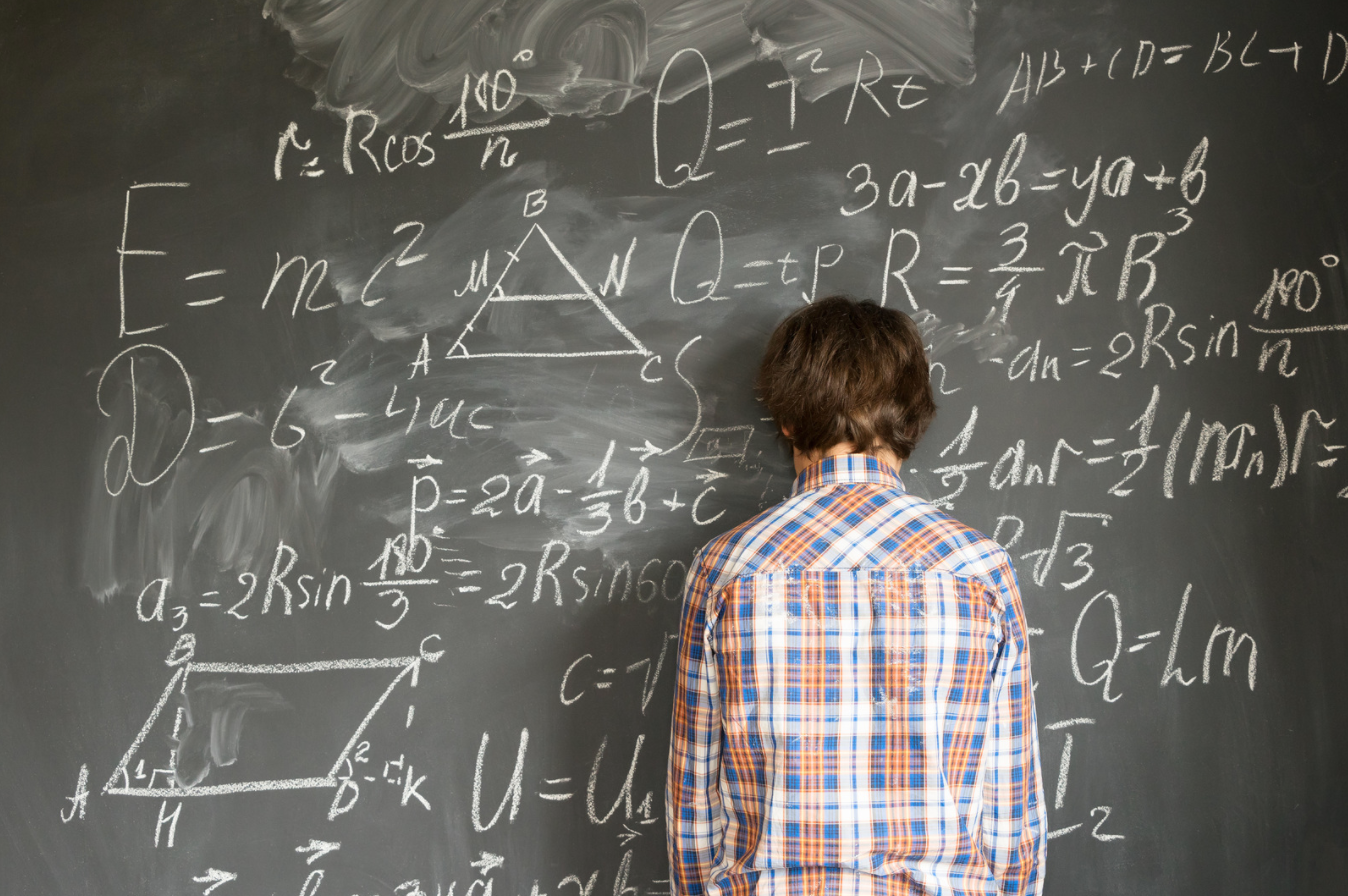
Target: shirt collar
x=846, y=468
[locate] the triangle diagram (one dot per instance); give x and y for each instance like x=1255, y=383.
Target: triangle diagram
x=540, y=307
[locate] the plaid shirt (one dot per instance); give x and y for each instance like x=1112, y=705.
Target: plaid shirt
x=853, y=711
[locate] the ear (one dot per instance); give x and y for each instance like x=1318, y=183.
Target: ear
x=786, y=432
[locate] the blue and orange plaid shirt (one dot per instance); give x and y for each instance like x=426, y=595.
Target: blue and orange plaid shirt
x=853, y=712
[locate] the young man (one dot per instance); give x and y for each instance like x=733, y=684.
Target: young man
x=853, y=712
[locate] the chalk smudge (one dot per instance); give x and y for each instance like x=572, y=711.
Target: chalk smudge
x=213, y=714
x=221, y=510
x=408, y=61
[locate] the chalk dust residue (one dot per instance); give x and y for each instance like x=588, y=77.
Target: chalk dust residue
x=220, y=510
x=406, y=61
x=213, y=716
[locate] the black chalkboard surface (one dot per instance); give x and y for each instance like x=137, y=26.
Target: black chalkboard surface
x=373, y=370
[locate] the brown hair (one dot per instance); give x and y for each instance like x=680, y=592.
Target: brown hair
x=840, y=370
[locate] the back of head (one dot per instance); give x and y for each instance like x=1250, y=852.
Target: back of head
x=839, y=370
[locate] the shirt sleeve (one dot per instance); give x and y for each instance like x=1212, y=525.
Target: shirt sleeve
x=693, y=817
x=1015, y=826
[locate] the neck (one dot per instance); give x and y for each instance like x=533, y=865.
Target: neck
x=884, y=455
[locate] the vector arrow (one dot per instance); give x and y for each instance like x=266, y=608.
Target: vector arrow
x=646, y=451
x=533, y=457
x=488, y=863
x=319, y=848
x=215, y=877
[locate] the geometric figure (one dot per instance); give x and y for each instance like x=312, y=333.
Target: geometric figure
x=120, y=782
x=540, y=307
x=717, y=443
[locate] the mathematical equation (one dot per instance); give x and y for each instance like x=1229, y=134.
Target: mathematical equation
x=523, y=413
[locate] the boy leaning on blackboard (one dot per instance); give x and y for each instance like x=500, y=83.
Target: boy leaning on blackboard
x=853, y=711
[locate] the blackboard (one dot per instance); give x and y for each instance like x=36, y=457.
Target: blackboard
x=373, y=371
